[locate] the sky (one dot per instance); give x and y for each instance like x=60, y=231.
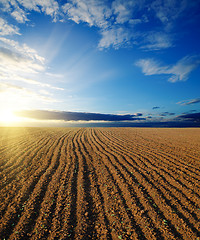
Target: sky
x=99, y=61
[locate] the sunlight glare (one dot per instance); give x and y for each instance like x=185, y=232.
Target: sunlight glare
x=7, y=116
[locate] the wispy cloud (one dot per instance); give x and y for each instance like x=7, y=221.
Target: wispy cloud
x=156, y=41
x=75, y=116
x=189, y=102
x=7, y=29
x=21, y=64
x=178, y=72
x=20, y=9
x=115, y=37
x=118, y=22
x=18, y=96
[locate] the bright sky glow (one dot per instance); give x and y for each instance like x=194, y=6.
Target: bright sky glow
x=119, y=57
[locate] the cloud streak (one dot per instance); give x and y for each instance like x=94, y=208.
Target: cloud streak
x=75, y=116
x=7, y=29
x=177, y=72
x=189, y=102
x=19, y=9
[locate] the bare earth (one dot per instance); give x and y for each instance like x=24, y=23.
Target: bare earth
x=99, y=183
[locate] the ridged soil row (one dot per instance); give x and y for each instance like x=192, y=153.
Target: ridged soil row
x=177, y=157
x=158, y=163
x=161, y=202
x=7, y=150
x=31, y=192
x=119, y=205
x=131, y=220
x=83, y=227
x=187, y=141
x=43, y=198
x=64, y=220
x=40, y=222
x=68, y=203
x=162, y=142
x=14, y=184
x=20, y=160
x=14, y=143
x=185, y=192
x=187, y=215
x=168, y=158
x=12, y=156
x=96, y=194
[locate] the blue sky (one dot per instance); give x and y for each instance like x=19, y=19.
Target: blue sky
x=136, y=58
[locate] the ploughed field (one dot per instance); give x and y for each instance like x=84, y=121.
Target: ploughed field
x=99, y=183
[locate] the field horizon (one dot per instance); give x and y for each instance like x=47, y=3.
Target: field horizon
x=99, y=183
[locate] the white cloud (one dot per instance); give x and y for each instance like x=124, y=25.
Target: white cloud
x=125, y=10
x=150, y=67
x=23, y=49
x=19, y=9
x=14, y=61
x=179, y=72
x=111, y=22
x=114, y=37
x=156, y=41
x=116, y=17
x=92, y=12
x=7, y=29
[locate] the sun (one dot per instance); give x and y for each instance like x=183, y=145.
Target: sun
x=8, y=116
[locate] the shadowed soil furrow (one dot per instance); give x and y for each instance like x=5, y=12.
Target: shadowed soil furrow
x=167, y=203
x=30, y=192
x=145, y=161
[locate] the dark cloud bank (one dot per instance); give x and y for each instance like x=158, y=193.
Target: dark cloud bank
x=111, y=120
x=77, y=116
